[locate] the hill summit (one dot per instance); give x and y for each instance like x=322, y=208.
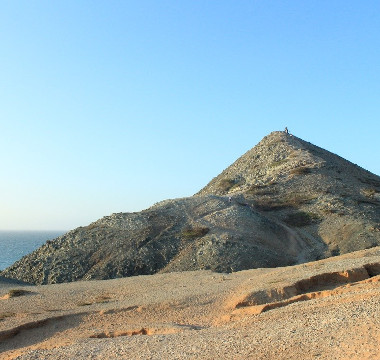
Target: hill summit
x=283, y=202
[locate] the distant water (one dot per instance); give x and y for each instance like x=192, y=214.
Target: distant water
x=15, y=244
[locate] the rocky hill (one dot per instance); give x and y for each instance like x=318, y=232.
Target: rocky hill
x=284, y=202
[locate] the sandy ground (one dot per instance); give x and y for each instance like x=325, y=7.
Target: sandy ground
x=328, y=309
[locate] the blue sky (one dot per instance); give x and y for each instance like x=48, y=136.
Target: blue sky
x=111, y=106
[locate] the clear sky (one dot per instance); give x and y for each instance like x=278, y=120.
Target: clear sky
x=111, y=106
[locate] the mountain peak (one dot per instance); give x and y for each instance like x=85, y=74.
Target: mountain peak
x=278, y=157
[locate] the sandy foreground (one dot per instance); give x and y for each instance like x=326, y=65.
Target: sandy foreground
x=329, y=309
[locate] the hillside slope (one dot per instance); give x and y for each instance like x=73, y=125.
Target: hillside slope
x=309, y=188
x=284, y=202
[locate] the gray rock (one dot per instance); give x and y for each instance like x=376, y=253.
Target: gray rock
x=285, y=201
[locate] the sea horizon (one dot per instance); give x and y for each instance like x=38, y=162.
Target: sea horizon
x=14, y=244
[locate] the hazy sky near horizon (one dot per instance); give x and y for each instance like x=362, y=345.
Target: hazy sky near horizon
x=111, y=106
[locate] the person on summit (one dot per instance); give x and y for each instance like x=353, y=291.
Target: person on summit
x=286, y=131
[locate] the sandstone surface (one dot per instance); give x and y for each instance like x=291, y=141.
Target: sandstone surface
x=328, y=309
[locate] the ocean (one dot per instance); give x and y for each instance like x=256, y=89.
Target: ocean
x=15, y=244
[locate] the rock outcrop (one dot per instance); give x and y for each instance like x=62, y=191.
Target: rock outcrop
x=284, y=202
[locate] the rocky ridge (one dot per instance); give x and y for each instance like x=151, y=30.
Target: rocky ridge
x=284, y=202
